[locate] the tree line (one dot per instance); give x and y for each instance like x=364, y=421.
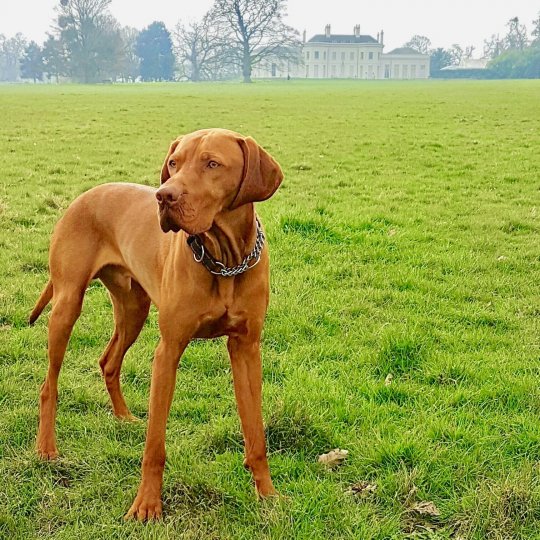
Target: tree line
x=89, y=45
x=515, y=55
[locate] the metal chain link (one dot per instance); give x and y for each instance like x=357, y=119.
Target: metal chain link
x=255, y=254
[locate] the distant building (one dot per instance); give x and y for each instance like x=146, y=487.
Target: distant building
x=351, y=56
x=405, y=63
x=468, y=68
x=360, y=56
x=468, y=64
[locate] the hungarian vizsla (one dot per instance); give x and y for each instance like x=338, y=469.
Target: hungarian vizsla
x=208, y=278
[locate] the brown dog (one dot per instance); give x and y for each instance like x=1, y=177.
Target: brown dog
x=211, y=178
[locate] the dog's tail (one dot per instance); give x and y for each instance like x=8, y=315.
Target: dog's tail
x=44, y=299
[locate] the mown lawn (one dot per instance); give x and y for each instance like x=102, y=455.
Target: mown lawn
x=404, y=240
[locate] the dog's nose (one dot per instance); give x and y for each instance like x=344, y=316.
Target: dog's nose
x=166, y=196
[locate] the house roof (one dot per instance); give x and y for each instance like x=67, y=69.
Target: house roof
x=405, y=50
x=469, y=63
x=342, y=38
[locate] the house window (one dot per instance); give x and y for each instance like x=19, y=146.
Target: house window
x=396, y=71
x=334, y=55
x=387, y=71
x=315, y=70
x=351, y=56
x=307, y=71
x=342, y=56
x=361, y=56
x=413, y=72
x=274, y=70
x=324, y=55
x=351, y=71
x=370, y=72
x=324, y=71
x=342, y=70
x=316, y=55
x=405, y=72
x=370, y=56
x=361, y=72
x=307, y=55
x=334, y=71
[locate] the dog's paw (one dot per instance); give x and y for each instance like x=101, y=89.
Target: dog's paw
x=145, y=508
x=47, y=452
x=128, y=417
x=265, y=489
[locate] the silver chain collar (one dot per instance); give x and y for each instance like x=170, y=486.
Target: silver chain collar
x=244, y=266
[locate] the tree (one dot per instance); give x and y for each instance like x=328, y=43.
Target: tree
x=440, y=58
x=469, y=51
x=516, y=64
x=130, y=62
x=457, y=54
x=517, y=35
x=154, y=48
x=256, y=31
x=493, y=47
x=11, y=52
x=54, y=57
x=109, y=49
x=536, y=31
x=203, y=50
x=90, y=37
x=32, y=62
x=420, y=44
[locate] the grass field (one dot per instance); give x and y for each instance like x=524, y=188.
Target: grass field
x=404, y=240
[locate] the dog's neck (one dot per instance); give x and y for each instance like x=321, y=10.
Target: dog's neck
x=232, y=235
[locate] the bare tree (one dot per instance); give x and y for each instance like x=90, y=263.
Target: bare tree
x=517, y=35
x=11, y=52
x=421, y=44
x=203, y=49
x=493, y=46
x=129, y=62
x=457, y=54
x=469, y=51
x=536, y=30
x=256, y=30
x=86, y=29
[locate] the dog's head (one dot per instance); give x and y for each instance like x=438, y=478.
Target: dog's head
x=212, y=171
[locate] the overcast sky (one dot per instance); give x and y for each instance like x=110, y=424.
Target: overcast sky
x=467, y=22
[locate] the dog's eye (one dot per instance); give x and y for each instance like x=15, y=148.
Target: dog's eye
x=213, y=164
x=172, y=163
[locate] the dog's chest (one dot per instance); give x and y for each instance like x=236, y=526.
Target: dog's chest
x=223, y=322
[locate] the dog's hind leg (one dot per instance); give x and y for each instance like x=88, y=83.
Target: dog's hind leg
x=131, y=305
x=67, y=303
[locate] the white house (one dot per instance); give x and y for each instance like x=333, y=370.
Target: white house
x=360, y=56
x=350, y=56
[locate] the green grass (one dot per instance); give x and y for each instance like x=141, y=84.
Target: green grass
x=404, y=240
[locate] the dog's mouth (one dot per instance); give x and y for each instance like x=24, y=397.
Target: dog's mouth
x=166, y=221
x=170, y=219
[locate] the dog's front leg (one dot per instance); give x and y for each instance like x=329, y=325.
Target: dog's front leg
x=245, y=357
x=147, y=504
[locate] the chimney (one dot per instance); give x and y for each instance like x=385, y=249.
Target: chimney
x=327, y=30
x=304, y=37
x=378, y=37
x=357, y=31
x=382, y=37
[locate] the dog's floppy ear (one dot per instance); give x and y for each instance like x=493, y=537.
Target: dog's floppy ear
x=262, y=174
x=165, y=169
